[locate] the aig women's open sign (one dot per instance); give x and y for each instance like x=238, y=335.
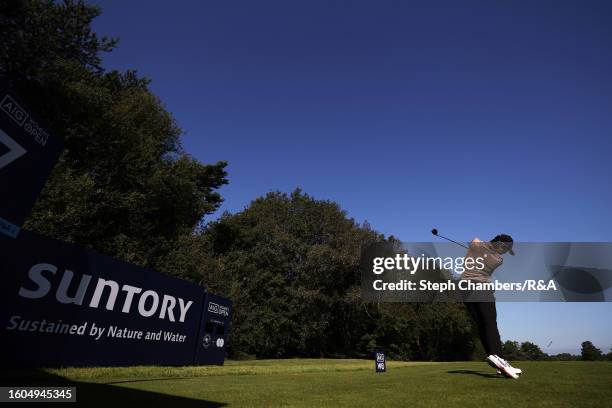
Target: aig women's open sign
x=28, y=153
x=65, y=305
x=380, y=362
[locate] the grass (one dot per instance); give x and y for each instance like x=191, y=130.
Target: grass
x=334, y=383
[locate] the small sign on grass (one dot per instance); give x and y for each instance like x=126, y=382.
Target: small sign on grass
x=380, y=362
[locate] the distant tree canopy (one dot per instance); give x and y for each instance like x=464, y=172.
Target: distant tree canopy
x=532, y=351
x=564, y=357
x=290, y=263
x=511, y=350
x=123, y=185
x=525, y=351
x=589, y=352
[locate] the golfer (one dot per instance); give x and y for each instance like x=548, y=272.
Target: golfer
x=481, y=304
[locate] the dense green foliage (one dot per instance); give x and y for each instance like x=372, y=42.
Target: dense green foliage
x=589, y=352
x=564, y=357
x=525, y=351
x=123, y=185
x=290, y=263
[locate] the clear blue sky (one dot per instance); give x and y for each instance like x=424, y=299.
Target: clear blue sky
x=473, y=117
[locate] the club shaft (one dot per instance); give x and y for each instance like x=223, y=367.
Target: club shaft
x=451, y=240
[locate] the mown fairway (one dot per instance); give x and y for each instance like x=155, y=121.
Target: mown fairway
x=337, y=383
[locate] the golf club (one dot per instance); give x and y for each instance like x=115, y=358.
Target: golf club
x=435, y=232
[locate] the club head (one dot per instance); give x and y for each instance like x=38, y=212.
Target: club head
x=434, y=231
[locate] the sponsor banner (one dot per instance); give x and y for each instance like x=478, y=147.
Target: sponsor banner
x=28, y=152
x=63, y=305
x=214, y=329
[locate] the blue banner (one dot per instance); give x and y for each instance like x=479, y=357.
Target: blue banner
x=64, y=305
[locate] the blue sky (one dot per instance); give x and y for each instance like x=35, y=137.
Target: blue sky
x=473, y=117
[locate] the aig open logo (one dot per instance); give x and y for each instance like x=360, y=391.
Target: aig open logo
x=218, y=309
x=23, y=119
x=379, y=360
x=13, y=110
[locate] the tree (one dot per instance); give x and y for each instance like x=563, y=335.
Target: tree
x=123, y=185
x=445, y=332
x=564, y=357
x=532, y=351
x=40, y=35
x=589, y=352
x=290, y=263
x=512, y=351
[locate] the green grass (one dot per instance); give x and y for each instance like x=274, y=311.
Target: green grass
x=336, y=383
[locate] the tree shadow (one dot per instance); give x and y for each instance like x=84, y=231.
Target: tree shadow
x=101, y=395
x=147, y=380
x=478, y=373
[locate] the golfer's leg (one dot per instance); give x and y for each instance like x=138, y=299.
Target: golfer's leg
x=475, y=312
x=471, y=310
x=488, y=313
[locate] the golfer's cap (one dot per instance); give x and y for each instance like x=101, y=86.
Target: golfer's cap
x=506, y=239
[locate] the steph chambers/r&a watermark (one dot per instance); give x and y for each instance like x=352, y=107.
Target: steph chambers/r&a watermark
x=465, y=285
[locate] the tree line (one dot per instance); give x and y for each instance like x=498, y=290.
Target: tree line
x=124, y=186
x=529, y=351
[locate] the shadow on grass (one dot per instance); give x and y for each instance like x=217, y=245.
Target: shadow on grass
x=147, y=380
x=102, y=395
x=478, y=373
